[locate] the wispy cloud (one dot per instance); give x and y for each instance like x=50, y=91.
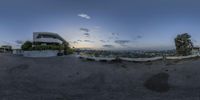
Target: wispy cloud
x=87, y=34
x=85, y=29
x=75, y=42
x=115, y=34
x=193, y=40
x=5, y=43
x=84, y=16
x=103, y=41
x=113, y=37
x=108, y=46
x=79, y=40
x=19, y=42
x=89, y=41
x=139, y=37
x=122, y=42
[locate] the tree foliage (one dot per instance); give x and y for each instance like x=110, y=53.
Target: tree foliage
x=183, y=44
x=67, y=49
x=27, y=45
x=61, y=47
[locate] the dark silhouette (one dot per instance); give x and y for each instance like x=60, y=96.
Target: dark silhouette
x=183, y=44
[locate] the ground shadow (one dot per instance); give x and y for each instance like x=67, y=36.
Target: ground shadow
x=158, y=83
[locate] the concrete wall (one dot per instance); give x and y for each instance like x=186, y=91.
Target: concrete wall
x=44, y=53
x=141, y=59
x=181, y=57
x=18, y=52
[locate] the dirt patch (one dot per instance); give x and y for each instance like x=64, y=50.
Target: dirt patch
x=18, y=68
x=158, y=83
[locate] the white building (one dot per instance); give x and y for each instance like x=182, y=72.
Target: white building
x=46, y=38
x=5, y=48
x=195, y=51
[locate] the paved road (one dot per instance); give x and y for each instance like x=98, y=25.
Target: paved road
x=70, y=78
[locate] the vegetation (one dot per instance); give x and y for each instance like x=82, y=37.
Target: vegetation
x=183, y=44
x=61, y=47
x=48, y=47
x=27, y=46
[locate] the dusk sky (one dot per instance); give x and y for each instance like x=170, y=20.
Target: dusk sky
x=102, y=24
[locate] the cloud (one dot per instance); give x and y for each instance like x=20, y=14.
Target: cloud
x=113, y=37
x=97, y=27
x=193, y=40
x=84, y=29
x=139, y=37
x=87, y=34
x=122, y=42
x=108, y=46
x=6, y=43
x=19, y=42
x=89, y=41
x=75, y=42
x=79, y=40
x=84, y=16
x=103, y=41
x=115, y=34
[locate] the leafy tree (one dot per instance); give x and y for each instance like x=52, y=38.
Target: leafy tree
x=183, y=44
x=67, y=49
x=27, y=45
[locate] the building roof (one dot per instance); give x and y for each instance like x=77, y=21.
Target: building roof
x=50, y=34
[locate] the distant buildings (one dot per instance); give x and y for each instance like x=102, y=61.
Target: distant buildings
x=196, y=50
x=5, y=49
x=47, y=38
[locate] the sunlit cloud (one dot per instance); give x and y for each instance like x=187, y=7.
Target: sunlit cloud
x=84, y=16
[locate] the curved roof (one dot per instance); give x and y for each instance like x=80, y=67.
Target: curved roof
x=49, y=34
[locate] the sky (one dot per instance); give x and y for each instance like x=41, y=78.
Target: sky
x=102, y=24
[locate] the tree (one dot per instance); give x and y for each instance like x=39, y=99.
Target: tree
x=27, y=45
x=67, y=49
x=183, y=44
